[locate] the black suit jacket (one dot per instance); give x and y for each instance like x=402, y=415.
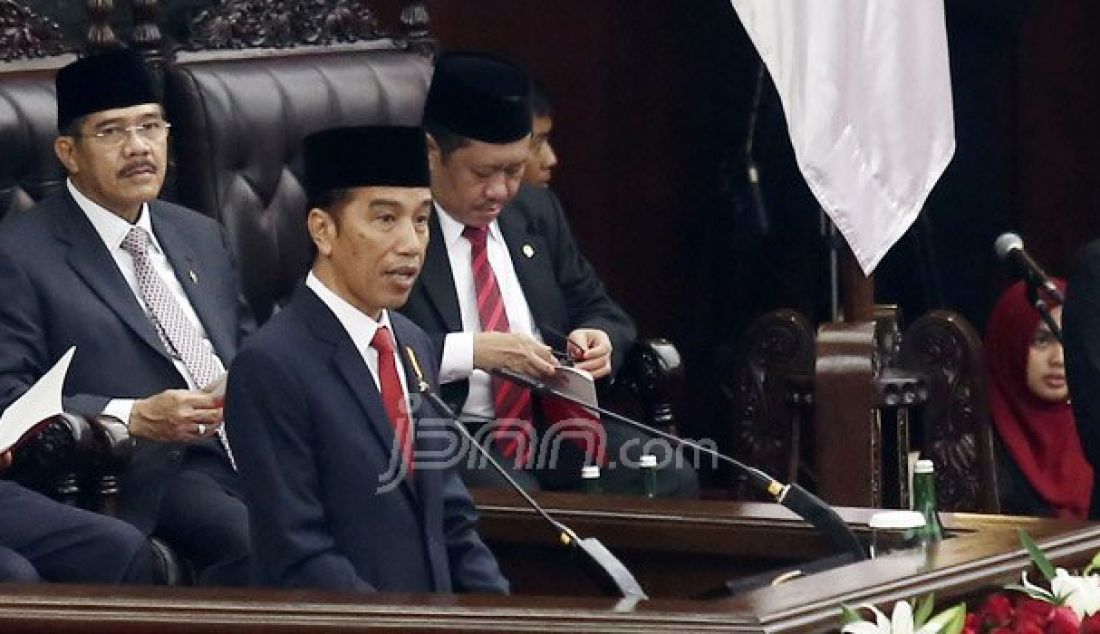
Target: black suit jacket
x=314, y=444
x=1081, y=329
x=61, y=288
x=561, y=288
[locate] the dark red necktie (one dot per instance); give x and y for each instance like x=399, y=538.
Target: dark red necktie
x=511, y=402
x=392, y=395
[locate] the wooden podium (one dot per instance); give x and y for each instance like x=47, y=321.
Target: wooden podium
x=677, y=550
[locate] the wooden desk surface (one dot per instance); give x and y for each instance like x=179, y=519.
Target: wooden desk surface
x=717, y=540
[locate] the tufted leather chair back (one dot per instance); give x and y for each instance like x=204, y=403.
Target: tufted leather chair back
x=239, y=120
x=29, y=170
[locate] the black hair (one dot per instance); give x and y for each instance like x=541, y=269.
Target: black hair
x=330, y=200
x=447, y=141
x=541, y=104
x=73, y=127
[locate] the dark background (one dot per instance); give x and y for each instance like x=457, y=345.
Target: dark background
x=652, y=101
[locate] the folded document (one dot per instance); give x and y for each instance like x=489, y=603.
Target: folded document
x=38, y=404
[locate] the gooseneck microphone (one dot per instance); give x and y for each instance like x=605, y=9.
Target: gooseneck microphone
x=598, y=562
x=803, y=503
x=1010, y=248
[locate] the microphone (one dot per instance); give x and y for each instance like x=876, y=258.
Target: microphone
x=598, y=562
x=803, y=503
x=1010, y=247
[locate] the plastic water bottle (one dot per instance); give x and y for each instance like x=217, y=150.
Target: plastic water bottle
x=590, y=479
x=924, y=500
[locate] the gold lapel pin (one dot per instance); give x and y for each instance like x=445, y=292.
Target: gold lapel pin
x=194, y=278
x=529, y=250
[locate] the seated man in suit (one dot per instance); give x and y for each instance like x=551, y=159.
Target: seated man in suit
x=541, y=159
x=319, y=399
x=43, y=540
x=502, y=275
x=147, y=292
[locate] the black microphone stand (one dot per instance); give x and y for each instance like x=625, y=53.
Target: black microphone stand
x=803, y=503
x=599, y=562
x=1044, y=311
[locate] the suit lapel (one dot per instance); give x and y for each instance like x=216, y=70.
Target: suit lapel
x=352, y=368
x=94, y=264
x=438, y=279
x=192, y=276
x=531, y=260
x=428, y=441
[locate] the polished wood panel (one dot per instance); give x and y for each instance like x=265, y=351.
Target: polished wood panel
x=717, y=538
x=847, y=424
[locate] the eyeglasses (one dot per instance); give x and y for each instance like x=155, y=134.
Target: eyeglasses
x=114, y=135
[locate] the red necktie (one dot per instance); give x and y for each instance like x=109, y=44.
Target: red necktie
x=392, y=395
x=511, y=402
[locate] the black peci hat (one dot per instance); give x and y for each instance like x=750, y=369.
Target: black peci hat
x=116, y=79
x=481, y=97
x=341, y=158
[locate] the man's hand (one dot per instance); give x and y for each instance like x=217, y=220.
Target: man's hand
x=591, y=351
x=516, y=352
x=5, y=460
x=176, y=416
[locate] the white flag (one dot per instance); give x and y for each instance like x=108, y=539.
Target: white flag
x=866, y=89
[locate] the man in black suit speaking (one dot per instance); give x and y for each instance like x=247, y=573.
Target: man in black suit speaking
x=319, y=399
x=503, y=275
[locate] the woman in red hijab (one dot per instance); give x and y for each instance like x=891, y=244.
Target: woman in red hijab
x=1043, y=470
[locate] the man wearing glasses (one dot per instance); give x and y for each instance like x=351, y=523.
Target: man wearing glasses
x=147, y=292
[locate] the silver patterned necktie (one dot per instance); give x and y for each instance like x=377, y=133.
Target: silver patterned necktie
x=179, y=335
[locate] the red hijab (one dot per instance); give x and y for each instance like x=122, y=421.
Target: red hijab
x=1041, y=436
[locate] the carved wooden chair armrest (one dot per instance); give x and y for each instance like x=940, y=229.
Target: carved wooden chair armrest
x=652, y=376
x=769, y=392
x=955, y=424
x=54, y=459
x=77, y=460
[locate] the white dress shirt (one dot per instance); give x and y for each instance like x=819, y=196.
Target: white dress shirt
x=361, y=329
x=458, y=347
x=112, y=229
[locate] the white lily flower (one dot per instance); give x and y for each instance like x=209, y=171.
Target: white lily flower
x=1081, y=594
x=900, y=621
x=880, y=626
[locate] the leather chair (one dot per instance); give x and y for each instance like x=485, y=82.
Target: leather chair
x=29, y=171
x=239, y=122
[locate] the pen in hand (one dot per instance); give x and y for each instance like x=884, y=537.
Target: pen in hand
x=573, y=350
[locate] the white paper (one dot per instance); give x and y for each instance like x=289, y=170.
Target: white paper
x=41, y=401
x=574, y=382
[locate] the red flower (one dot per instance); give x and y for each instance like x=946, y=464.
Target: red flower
x=973, y=624
x=1063, y=621
x=1033, y=609
x=996, y=610
x=1091, y=624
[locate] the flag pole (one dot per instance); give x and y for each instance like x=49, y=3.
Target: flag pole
x=856, y=289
